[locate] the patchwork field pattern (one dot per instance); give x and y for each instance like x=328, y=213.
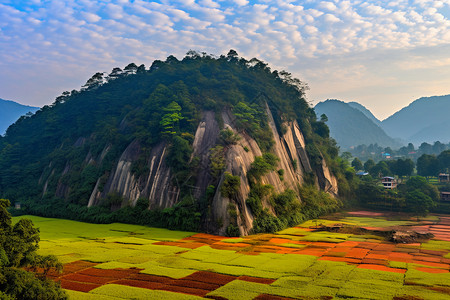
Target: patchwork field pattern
x=120, y=261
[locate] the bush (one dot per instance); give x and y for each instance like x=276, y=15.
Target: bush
x=217, y=160
x=262, y=165
x=230, y=185
x=228, y=137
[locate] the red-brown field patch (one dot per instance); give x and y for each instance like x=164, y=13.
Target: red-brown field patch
x=140, y=284
x=427, y=258
x=87, y=278
x=359, y=253
x=271, y=297
x=366, y=245
x=257, y=279
x=311, y=251
x=78, y=286
x=280, y=241
x=381, y=268
x=384, y=247
x=210, y=277
x=372, y=261
x=76, y=266
x=185, y=290
x=372, y=255
x=348, y=244
x=195, y=284
x=112, y=273
x=151, y=278
x=341, y=259
x=432, y=264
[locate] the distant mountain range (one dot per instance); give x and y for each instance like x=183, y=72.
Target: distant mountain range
x=10, y=111
x=352, y=124
x=365, y=111
x=424, y=120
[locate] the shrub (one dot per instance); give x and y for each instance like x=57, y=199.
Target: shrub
x=230, y=185
x=228, y=137
x=262, y=165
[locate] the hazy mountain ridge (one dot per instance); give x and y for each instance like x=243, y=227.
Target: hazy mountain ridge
x=10, y=111
x=365, y=111
x=424, y=120
x=350, y=126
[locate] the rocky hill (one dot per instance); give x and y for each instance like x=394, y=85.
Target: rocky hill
x=352, y=127
x=222, y=145
x=10, y=111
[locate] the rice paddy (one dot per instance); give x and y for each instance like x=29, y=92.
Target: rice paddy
x=120, y=261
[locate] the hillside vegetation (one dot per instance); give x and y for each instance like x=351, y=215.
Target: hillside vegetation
x=223, y=145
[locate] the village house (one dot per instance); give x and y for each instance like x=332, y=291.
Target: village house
x=445, y=196
x=389, y=182
x=443, y=177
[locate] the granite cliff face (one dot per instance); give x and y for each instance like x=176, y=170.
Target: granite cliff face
x=158, y=186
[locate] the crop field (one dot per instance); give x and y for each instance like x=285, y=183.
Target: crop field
x=120, y=261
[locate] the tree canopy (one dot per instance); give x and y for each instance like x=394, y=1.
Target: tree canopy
x=18, y=246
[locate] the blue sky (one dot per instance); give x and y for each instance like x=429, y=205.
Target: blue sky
x=383, y=54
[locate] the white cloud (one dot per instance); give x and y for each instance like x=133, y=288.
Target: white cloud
x=90, y=17
x=90, y=36
x=327, y=6
x=331, y=18
x=241, y=2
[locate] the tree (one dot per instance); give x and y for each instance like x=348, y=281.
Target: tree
x=323, y=118
x=427, y=165
x=419, y=203
x=368, y=165
x=170, y=120
x=403, y=167
x=357, y=164
x=381, y=168
x=444, y=161
x=425, y=148
x=421, y=184
x=18, y=246
x=438, y=147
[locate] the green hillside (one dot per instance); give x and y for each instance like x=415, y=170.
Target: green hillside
x=132, y=140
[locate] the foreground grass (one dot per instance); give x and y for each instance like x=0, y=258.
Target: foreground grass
x=294, y=274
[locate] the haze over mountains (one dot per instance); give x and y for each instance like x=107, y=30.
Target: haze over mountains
x=349, y=126
x=424, y=120
x=352, y=124
x=10, y=111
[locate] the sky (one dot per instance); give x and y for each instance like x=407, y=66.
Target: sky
x=382, y=54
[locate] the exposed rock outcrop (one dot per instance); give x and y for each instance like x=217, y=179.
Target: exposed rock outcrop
x=158, y=186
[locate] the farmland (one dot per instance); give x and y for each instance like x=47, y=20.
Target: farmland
x=120, y=261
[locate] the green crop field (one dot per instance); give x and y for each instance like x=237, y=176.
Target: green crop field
x=120, y=261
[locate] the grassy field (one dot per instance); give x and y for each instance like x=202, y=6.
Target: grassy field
x=120, y=261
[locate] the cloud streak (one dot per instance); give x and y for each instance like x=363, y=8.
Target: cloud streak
x=322, y=42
